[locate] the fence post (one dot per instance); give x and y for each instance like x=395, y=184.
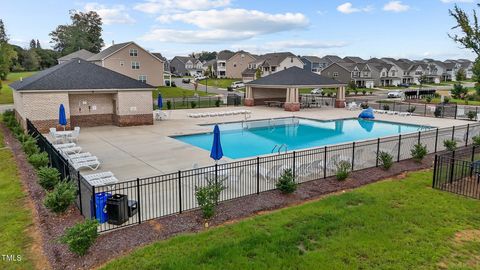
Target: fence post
x=79, y=193
x=452, y=166
x=378, y=150
x=139, y=209
x=453, y=132
x=399, y=143
x=466, y=135
x=456, y=108
x=476, y=113
x=425, y=110
x=294, y=173
x=436, y=140
x=435, y=164
x=325, y=163
x=94, y=203
x=353, y=154
x=419, y=136
x=180, y=191
x=258, y=175
x=472, y=159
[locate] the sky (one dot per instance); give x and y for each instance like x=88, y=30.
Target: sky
x=365, y=28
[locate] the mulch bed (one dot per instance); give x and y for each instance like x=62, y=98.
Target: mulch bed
x=116, y=243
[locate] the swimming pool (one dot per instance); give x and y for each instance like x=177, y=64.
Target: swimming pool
x=254, y=138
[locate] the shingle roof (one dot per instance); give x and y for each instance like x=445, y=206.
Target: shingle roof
x=313, y=59
x=82, y=54
x=333, y=58
x=101, y=55
x=225, y=55
x=345, y=65
x=354, y=59
x=78, y=74
x=294, y=76
x=274, y=59
x=160, y=56
x=184, y=59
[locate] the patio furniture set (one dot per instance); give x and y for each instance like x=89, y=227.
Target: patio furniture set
x=215, y=114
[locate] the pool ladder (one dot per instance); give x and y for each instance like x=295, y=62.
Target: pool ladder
x=279, y=148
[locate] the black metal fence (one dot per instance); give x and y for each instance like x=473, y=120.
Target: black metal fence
x=201, y=102
x=458, y=172
x=174, y=193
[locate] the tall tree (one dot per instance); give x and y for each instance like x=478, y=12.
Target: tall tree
x=7, y=54
x=469, y=36
x=31, y=61
x=33, y=44
x=85, y=32
x=3, y=33
x=461, y=75
x=38, y=45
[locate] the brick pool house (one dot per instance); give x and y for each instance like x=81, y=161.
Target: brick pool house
x=283, y=86
x=92, y=96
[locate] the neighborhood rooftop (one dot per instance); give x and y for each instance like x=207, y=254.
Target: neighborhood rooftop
x=295, y=76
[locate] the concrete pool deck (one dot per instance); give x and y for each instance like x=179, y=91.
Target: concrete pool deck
x=143, y=151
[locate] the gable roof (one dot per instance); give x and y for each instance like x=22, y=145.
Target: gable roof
x=160, y=56
x=115, y=48
x=274, y=59
x=82, y=54
x=312, y=59
x=225, y=55
x=354, y=59
x=185, y=59
x=78, y=74
x=333, y=58
x=295, y=76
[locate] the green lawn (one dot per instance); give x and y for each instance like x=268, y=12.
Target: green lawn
x=6, y=96
x=174, y=92
x=398, y=224
x=15, y=218
x=219, y=83
x=458, y=101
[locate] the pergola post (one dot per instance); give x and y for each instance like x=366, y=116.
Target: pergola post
x=292, y=103
x=340, y=99
x=249, y=101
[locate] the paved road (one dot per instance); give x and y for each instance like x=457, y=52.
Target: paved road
x=210, y=89
x=5, y=107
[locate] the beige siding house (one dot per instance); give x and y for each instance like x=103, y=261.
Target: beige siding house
x=237, y=64
x=92, y=96
x=133, y=61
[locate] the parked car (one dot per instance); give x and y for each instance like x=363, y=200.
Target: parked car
x=394, y=94
x=200, y=77
x=168, y=83
x=238, y=84
x=186, y=80
x=316, y=91
x=406, y=85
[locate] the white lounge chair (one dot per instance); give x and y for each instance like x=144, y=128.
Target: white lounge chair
x=94, y=176
x=83, y=159
x=64, y=145
x=80, y=155
x=103, y=181
x=73, y=137
x=55, y=136
x=212, y=114
x=71, y=150
x=93, y=165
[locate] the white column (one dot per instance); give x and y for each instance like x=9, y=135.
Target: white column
x=249, y=93
x=288, y=96
x=297, y=98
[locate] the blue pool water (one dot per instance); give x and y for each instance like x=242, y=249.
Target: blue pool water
x=254, y=138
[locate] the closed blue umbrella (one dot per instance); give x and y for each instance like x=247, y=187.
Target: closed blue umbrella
x=160, y=101
x=62, y=117
x=216, y=153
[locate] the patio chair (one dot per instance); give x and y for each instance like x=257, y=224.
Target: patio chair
x=213, y=114
x=71, y=150
x=64, y=145
x=80, y=155
x=100, y=175
x=83, y=159
x=92, y=165
x=221, y=114
x=228, y=113
x=74, y=136
x=103, y=181
x=55, y=137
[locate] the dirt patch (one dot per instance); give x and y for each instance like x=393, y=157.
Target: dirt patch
x=467, y=236
x=117, y=243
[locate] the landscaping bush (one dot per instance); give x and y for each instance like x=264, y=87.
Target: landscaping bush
x=386, y=107
x=62, y=196
x=459, y=91
x=29, y=146
x=207, y=196
x=169, y=105
x=217, y=103
x=438, y=111
x=428, y=99
x=329, y=94
x=471, y=115
x=352, y=85
x=81, y=236
x=48, y=177
x=193, y=104
x=446, y=100
x=364, y=92
x=418, y=152
x=451, y=145
x=371, y=92
x=347, y=92
x=286, y=182
x=343, y=170
x=476, y=140
x=411, y=109
x=355, y=91
x=38, y=160
x=385, y=160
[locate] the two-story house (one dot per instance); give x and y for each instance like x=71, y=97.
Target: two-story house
x=343, y=72
x=466, y=65
x=312, y=63
x=222, y=58
x=237, y=63
x=271, y=63
x=186, y=66
x=133, y=61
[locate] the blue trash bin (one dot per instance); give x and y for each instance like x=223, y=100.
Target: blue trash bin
x=100, y=206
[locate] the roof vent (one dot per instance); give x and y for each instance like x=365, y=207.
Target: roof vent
x=79, y=61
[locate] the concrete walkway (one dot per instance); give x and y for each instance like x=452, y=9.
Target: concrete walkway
x=5, y=107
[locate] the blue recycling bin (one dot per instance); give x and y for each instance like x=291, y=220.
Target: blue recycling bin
x=100, y=206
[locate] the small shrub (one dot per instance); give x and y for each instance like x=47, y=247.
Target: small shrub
x=347, y=92
x=355, y=91
x=352, y=85
x=451, y=145
x=329, y=94
x=438, y=111
x=411, y=109
x=17, y=131
x=286, y=183
x=217, y=103
x=371, y=92
x=476, y=140
x=169, y=105
x=343, y=170
x=446, y=100
x=471, y=115
x=81, y=236
x=193, y=104
x=62, y=196
x=418, y=152
x=428, y=99
x=364, y=92
x=386, y=107
x=207, y=196
x=29, y=146
x=385, y=160
x=48, y=177
x=38, y=160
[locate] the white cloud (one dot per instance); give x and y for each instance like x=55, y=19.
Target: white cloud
x=169, y=6
x=396, y=6
x=225, y=25
x=457, y=1
x=116, y=14
x=347, y=8
x=305, y=44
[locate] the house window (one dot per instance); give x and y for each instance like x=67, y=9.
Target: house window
x=133, y=52
x=273, y=69
x=135, y=65
x=335, y=74
x=142, y=78
x=291, y=59
x=122, y=63
x=383, y=74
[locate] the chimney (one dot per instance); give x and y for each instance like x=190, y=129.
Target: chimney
x=113, y=42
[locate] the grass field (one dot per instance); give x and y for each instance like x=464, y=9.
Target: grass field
x=174, y=92
x=15, y=218
x=6, y=96
x=396, y=224
x=219, y=83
